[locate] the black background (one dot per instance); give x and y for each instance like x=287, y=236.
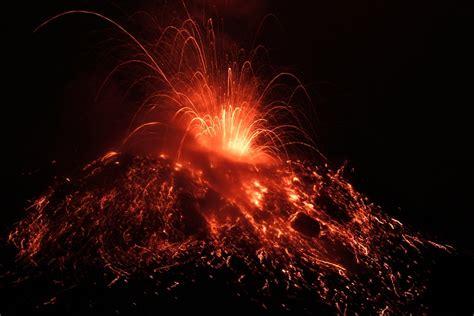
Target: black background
x=392, y=83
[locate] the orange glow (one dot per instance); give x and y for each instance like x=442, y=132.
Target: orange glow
x=235, y=131
x=212, y=95
x=238, y=201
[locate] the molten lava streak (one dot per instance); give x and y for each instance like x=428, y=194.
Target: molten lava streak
x=225, y=193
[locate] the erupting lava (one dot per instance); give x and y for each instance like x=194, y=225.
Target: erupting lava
x=224, y=192
x=212, y=93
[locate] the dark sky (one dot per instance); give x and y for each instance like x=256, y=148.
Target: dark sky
x=392, y=82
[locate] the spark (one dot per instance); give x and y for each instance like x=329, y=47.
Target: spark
x=239, y=197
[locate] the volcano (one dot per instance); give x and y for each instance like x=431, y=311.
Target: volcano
x=209, y=200
x=296, y=230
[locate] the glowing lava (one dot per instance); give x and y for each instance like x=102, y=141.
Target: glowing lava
x=211, y=90
x=212, y=199
x=234, y=131
x=296, y=228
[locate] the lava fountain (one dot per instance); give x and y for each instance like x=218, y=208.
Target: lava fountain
x=222, y=190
